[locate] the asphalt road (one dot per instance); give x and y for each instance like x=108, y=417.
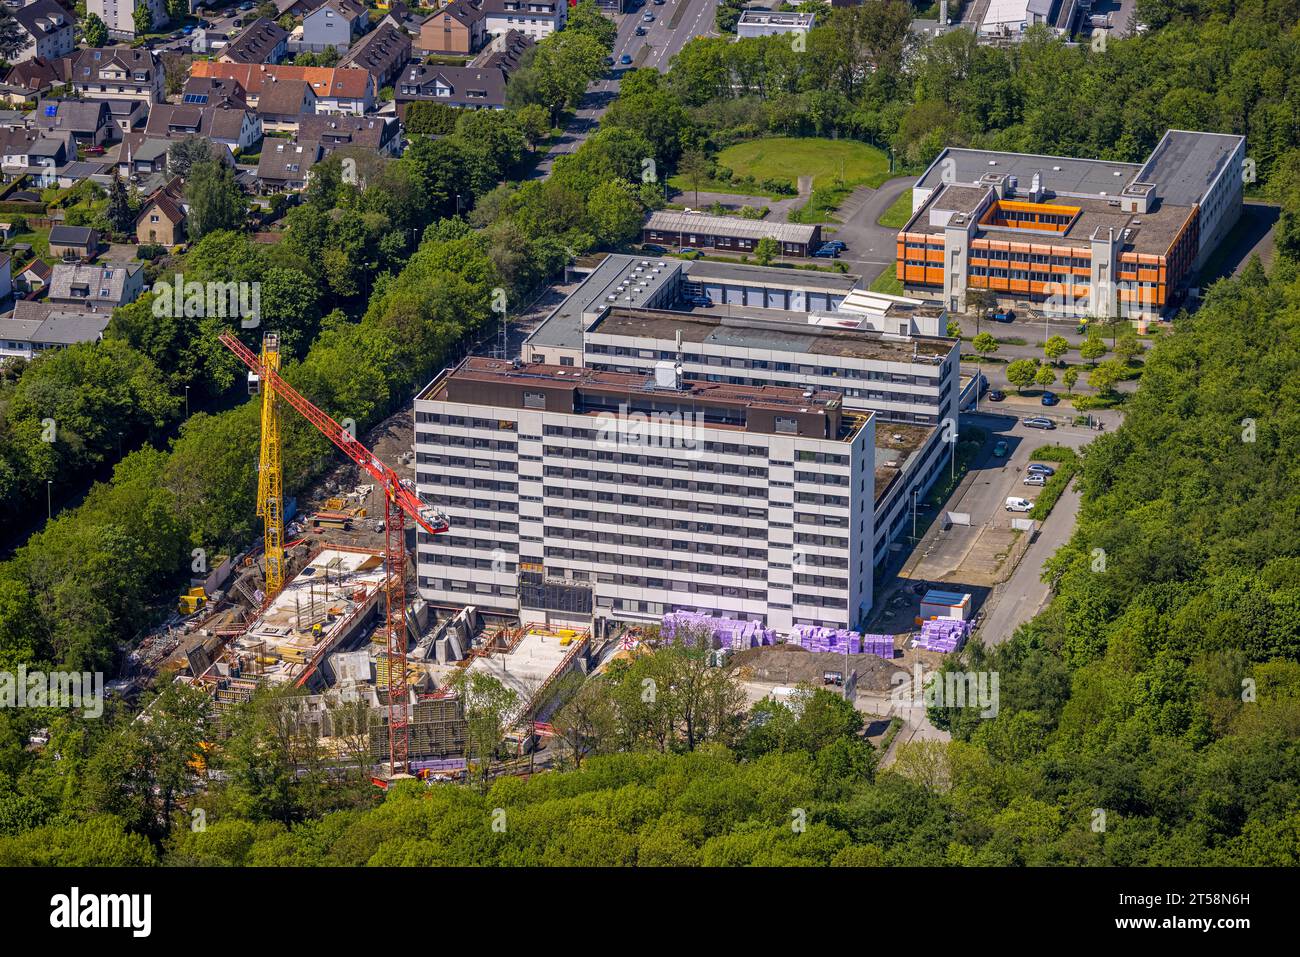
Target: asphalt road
x=659, y=44
x=872, y=247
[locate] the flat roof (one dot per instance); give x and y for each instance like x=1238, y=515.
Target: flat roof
x=778, y=335
x=563, y=328
x=1151, y=232
x=805, y=279
x=1184, y=164
x=896, y=444
x=1060, y=174
x=672, y=221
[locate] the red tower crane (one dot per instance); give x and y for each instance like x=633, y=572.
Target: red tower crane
x=400, y=500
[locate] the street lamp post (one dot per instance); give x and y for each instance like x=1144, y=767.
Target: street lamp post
x=914, y=491
x=49, y=499
x=187, y=402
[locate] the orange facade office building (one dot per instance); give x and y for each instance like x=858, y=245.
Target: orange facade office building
x=1071, y=237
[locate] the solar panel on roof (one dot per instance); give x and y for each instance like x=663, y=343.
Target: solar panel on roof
x=52, y=110
x=196, y=98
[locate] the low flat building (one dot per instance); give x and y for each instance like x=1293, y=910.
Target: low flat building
x=767, y=23
x=1072, y=237
x=603, y=495
x=731, y=234
x=74, y=242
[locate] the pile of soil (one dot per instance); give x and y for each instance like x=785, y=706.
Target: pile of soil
x=792, y=665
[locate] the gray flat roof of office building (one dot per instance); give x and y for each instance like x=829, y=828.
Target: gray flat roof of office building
x=1183, y=164
x=562, y=329
x=1061, y=174
x=768, y=275
x=776, y=336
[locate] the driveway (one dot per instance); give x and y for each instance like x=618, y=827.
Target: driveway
x=871, y=247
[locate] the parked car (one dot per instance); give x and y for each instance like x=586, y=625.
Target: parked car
x=689, y=251
x=699, y=301
x=651, y=247
x=1051, y=398
x=93, y=150
x=1016, y=504
x=625, y=59
x=246, y=6
x=836, y=244
x=1038, y=422
x=1004, y=315
x=827, y=251
x=1033, y=478
x=831, y=677
x=1000, y=449
x=640, y=31
x=608, y=61
x=1040, y=469
x=996, y=395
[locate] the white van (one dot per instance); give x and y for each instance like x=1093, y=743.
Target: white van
x=1019, y=504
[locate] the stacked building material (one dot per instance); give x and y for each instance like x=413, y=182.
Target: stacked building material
x=942, y=634
x=819, y=638
x=882, y=646
x=732, y=633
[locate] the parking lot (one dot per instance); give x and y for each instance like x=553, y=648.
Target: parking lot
x=978, y=553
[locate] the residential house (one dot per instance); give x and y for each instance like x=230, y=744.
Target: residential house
x=118, y=72
x=127, y=115
x=33, y=277
x=29, y=151
x=214, y=91
x=504, y=52
x=36, y=327
x=285, y=165
x=533, y=18
x=73, y=242
x=333, y=24
x=234, y=128
x=402, y=17
x=337, y=89
x=89, y=121
x=119, y=15
x=6, y=280
x=47, y=28
x=98, y=287
x=377, y=134
x=142, y=157
x=458, y=28
x=460, y=86
x=39, y=74
x=383, y=52
x=262, y=41
x=283, y=104
x=295, y=8
x=162, y=217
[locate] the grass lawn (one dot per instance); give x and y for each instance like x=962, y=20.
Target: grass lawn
x=38, y=239
x=789, y=157
x=897, y=215
x=888, y=283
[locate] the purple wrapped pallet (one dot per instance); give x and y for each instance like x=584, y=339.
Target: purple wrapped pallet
x=943, y=634
x=736, y=634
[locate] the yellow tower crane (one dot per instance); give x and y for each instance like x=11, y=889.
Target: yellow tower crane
x=270, y=479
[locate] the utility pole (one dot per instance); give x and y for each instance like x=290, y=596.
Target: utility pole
x=49, y=499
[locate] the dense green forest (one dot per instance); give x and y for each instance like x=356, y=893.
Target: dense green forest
x=1150, y=715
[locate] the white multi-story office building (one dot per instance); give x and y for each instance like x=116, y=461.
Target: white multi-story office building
x=575, y=494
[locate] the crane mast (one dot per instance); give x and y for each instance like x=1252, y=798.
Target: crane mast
x=400, y=501
x=270, y=477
